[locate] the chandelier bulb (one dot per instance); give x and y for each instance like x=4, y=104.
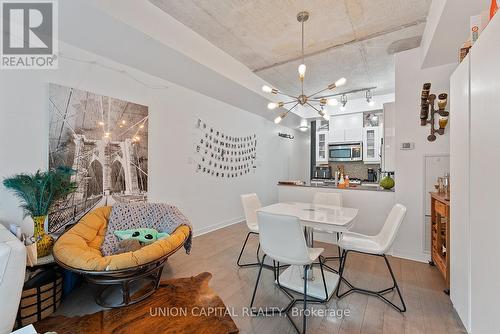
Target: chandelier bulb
x=302, y=70
x=267, y=89
x=272, y=105
x=340, y=82
x=342, y=108
x=332, y=102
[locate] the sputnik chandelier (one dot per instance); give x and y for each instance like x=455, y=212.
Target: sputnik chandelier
x=313, y=100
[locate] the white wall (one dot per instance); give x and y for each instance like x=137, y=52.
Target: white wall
x=447, y=28
x=209, y=202
x=410, y=164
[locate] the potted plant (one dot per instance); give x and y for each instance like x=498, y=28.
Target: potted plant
x=37, y=192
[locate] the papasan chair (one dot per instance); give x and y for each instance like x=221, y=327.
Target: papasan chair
x=79, y=250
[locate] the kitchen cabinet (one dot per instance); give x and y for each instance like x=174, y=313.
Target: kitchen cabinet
x=460, y=262
x=371, y=144
x=474, y=161
x=355, y=134
x=322, y=134
x=346, y=128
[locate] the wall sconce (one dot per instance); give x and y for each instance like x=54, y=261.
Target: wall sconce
x=427, y=109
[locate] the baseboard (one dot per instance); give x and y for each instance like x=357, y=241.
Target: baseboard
x=212, y=228
x=319, y=236
x=419, y=257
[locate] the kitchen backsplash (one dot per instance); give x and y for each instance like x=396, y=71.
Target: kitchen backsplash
x=356, y=169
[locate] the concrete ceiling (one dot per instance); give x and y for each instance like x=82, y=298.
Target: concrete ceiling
x=351, y=38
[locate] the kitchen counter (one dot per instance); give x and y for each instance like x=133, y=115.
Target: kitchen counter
x=331, y=185
x=373, y=203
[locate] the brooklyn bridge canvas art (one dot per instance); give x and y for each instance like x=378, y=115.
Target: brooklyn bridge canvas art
x=105, y=140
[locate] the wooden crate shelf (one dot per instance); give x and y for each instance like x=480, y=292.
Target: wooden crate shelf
x=440, y=235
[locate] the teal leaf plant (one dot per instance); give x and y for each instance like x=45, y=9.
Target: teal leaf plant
x=37, y=192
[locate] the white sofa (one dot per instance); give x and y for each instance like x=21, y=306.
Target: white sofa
x=12, y=271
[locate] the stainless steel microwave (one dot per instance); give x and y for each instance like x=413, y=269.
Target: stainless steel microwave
x=345, y=152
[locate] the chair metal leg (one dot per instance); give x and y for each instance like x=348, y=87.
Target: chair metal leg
x=267, y=311
x=241, y=253
x=257, y=282
x=304, y=317
x=285, y=310
x=380, y=294
x=338, y=257
x=324, y=280
x=395, y=284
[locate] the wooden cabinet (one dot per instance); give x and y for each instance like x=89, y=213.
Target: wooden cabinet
x=440, y=235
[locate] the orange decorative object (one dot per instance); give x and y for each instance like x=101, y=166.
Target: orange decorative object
x=493, y=8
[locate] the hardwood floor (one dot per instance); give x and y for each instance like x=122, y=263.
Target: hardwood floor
x=429, y=309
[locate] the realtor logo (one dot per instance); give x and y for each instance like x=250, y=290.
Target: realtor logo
x=29, y=34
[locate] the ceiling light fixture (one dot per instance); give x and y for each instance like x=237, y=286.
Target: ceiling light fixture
x=369, y=98
x=303, y=99
x=303, y=125
x=343, y=100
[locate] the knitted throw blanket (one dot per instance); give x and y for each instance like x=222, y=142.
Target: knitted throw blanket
x=161, y=217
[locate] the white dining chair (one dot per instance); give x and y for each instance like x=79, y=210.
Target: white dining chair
x=282, y=239
x=377, y=245
x=332, y=199
x=251, y=204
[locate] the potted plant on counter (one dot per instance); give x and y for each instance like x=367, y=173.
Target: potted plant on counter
x=37, y=192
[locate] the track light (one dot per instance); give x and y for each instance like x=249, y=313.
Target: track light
x=343, y=100
x=369, y=98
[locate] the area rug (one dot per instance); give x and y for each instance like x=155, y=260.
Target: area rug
x=184, y=305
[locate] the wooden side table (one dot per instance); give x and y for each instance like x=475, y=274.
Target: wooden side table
x=440, y=235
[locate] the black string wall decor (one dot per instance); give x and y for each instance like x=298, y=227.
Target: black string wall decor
x=222, y=155
x=286, y=135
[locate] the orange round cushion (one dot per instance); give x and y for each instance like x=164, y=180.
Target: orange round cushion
x=79, y=247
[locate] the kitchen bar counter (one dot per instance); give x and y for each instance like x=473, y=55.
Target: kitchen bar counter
x=373, y=204
x=331, y=185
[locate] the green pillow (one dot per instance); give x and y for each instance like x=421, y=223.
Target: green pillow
x=143, y=235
